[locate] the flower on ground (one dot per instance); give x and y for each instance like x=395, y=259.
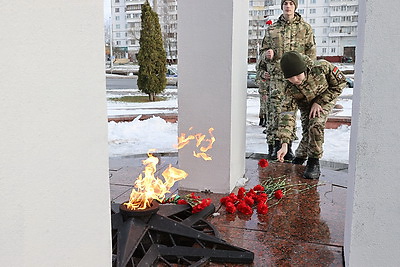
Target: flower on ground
x=263, y=163
x=194, y=201
x=278, y=194
x=262, y=208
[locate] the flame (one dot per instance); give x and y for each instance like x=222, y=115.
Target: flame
x=148, y=187
x=200, y=138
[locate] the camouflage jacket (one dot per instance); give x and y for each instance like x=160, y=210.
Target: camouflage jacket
x=283, y=36
x=323, y=84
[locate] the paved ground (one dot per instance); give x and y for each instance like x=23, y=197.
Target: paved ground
x=306, y=228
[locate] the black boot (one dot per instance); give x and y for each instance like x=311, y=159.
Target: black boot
x=274, y=154
x=270, y=149
x=261, y=122
x=312, y=169
x=289, y=155
x=298, y=161
x=264, y=123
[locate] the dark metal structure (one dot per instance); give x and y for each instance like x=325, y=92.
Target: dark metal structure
x=170, y=235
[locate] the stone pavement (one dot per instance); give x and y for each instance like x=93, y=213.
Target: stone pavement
x=303, y=229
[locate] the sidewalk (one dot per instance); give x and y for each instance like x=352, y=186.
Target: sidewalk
x=304, y=229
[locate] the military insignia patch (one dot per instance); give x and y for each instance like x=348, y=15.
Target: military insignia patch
x=335, y=70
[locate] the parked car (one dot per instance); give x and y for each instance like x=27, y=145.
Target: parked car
x=172, y=76
x=251, y=79
x=349, y=82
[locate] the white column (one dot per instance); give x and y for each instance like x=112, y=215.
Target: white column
x=54, y=188
x=372, y=231
x=212, y=38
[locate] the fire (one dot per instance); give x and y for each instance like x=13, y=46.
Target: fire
x=200, y=138
x=147, y=187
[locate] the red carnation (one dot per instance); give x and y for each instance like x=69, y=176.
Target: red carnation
x=258, y=188
x=233, y=197
x=244, y=208
x=278, y=194
x=225, y=200
x=230, y=207
x=269, y=22
x=182, y=201
x=262, y=208
x=241, y=192
x=263, y=163
x=249, y=201
x=261, y=198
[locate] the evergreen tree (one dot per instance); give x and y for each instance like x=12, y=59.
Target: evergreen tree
x=151, y=57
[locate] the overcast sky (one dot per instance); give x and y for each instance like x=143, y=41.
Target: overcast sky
x=107, y=9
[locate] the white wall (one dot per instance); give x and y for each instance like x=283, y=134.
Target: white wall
x=212, y=38
x=372, y=231
x=54, y=191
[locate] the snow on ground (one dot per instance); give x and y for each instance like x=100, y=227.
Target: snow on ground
x=138, y=137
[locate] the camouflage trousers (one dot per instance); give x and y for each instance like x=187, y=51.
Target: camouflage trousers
x=311, y=144
x=263, y=91
x=274, y=108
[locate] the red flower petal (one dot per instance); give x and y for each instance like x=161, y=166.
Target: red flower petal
x=278, y=194
x=263, y=163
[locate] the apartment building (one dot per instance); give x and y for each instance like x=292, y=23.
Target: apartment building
x=334, y=23
x=126, y=25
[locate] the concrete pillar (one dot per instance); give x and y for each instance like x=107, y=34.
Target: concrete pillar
x=54, y=189
x=372, y=230
x=212, y=37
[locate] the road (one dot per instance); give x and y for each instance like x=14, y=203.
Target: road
x=121, y=83
x=124, y=83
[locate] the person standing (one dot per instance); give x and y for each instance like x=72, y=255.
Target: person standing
x=289, y=32
x=315, y=87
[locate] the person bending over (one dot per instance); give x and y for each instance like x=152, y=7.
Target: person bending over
x=314, y=86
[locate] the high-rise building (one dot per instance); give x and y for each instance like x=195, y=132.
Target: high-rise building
x=334, y=23
x=126, y=25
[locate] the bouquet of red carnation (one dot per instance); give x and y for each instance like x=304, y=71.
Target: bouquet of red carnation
x=191, y=199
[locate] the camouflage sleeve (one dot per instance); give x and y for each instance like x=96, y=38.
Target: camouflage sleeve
x=266, y=42
x=287, y=119
x=336, y=82
x=310, y=46
x=261, y=62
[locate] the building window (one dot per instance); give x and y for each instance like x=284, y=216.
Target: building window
x=324, y=50
x=333, y=50
x=301, y=2
x=325, y=30
x=313, y=11
x=325, y=20
x=312, y=21
x=117, y=26
x=116, y=17
x=118, y=34
x=117, y=10
x=313, y=1
x=118, y=42
x=325, y=10
x=324, y=41
x=301, y=11
x=116, y=1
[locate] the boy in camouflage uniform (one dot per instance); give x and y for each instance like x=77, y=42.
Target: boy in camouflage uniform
x=289, y=32
x=315, y=87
